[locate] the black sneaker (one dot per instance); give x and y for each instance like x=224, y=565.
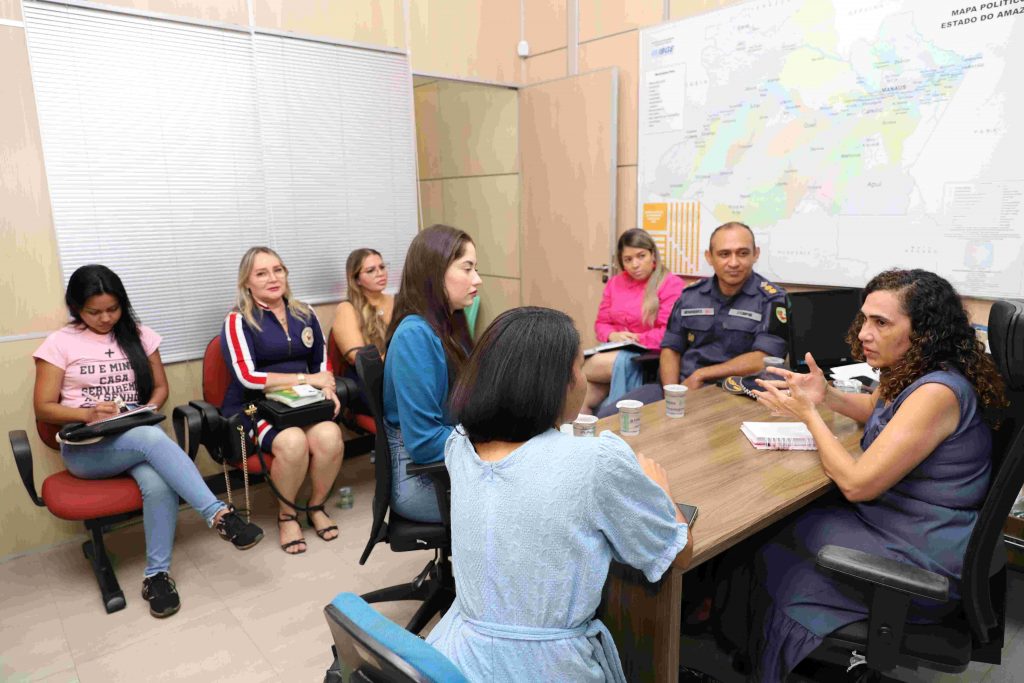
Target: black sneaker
x=242, y=534
x=161, y=594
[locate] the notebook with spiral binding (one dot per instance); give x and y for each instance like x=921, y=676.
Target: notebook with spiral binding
x=779, y=436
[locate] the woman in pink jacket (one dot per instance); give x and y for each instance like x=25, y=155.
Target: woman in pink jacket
x=634, y=308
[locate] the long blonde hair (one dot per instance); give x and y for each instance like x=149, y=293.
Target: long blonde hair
x=640, y=239
x=247, y=305
x=370, y=319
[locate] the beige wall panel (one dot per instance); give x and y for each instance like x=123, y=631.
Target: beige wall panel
x=620, y=51
x=431, y=202
x=478, y=125
x=488, y=209
x=465, y=38
x=227, y=11
x=30, y=280
x=546, y=67
x=496, y=296
x=374, y=22
x=11, y=9
x=625, y=199
x=25, y=526
x=607, y=17
x=545, y=25
x=426, y=101
x=566, y=198
x=679, y=9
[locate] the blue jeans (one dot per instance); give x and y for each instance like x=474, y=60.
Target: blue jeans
x=162, y=471
x=412, y=496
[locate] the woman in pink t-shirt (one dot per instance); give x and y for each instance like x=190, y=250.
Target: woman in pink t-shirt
x=84, y=372
x=634, y=308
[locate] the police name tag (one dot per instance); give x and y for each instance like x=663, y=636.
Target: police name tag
x=696, y=311
x=749, y=315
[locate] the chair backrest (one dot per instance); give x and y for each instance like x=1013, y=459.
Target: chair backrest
x=370, y=368
x=335, y=360
x=216, y=374
x=986, y=554
x=48, y=434
x=376, y=649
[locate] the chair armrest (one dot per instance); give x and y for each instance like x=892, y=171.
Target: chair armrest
x=652, y=356
x=428, y=468
x=188, y=428
x=881, y=571
x=23, y=459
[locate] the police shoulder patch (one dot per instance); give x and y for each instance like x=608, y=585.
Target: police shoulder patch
x=780, y=314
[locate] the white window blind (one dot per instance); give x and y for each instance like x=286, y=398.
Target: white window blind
x=171, y=148
x=339, y=149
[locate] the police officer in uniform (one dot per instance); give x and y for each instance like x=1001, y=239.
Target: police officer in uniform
x=724, y=325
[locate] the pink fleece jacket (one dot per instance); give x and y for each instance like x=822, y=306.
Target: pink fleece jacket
x=622, y=305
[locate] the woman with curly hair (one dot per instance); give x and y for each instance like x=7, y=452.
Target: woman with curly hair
x=914, y=494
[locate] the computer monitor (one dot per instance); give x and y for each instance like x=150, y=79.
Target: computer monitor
x=818, y=322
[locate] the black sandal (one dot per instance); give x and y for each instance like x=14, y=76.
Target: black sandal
x=290, y=544
x=320, y=532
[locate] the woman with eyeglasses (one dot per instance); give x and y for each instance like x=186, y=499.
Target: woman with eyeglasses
x=272, y=341
x=364, y=317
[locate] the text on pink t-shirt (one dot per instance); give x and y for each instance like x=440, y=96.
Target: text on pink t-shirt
x=95, y=368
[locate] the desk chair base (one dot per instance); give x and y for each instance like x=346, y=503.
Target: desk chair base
x=96, y=553
x=434, y=586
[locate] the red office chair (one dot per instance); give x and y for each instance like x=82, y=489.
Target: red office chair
x=98, y=503
x=358, y=422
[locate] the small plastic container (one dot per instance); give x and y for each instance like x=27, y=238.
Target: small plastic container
x=585, y=425
x=629, y=416
x=848, y=386
x=345, y=497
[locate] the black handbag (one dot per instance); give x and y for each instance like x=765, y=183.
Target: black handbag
x=79, y=432
x=283, y=417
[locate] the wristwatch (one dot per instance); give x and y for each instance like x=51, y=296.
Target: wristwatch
x=302, y=378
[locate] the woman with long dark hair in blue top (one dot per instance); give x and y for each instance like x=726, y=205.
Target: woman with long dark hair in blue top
x=427, y=343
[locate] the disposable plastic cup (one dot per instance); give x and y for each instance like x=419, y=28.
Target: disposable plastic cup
x=848, y=386
x=585, y=425
x=675, y=400
x=629, y=416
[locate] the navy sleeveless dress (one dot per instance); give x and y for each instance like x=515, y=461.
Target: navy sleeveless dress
x=926, y=520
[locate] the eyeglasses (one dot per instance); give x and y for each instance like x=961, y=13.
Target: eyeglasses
x=382, y=268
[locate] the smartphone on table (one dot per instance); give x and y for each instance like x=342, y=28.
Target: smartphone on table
x=689, y=513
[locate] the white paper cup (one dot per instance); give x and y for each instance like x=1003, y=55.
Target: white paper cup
x=629, y=416
x=566, y=428
x=585, y=425
x=675, y=400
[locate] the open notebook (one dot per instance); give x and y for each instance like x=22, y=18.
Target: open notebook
x=779, y=436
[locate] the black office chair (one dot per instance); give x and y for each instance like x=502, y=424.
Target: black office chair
x=371, y=649
x=975, y=631
x=435, y=585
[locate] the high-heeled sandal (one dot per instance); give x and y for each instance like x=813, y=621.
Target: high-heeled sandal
x=320, y=532
x=298, y=541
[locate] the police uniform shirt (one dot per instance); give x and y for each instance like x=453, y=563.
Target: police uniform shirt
x=708, y=328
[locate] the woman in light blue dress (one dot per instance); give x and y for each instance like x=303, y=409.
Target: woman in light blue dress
x=538, y=515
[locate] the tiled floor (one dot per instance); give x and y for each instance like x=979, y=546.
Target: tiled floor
x=245, y=616
x=254, y=615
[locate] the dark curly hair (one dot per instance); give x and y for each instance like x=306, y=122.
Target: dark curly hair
x=941, y=336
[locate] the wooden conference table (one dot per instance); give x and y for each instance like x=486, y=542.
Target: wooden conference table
x=739, y=491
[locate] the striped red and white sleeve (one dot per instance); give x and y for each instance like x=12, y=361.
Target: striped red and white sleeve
x=241, y=355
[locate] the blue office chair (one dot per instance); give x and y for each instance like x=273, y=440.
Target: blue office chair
x=376, y=650
x=975, y=631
